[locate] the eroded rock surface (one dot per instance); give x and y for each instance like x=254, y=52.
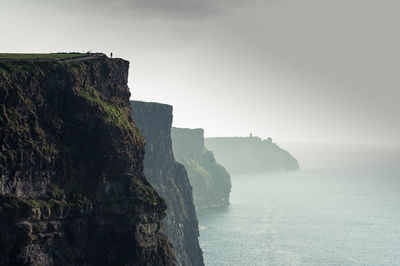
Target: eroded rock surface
x=170, y=179
x=72, y=188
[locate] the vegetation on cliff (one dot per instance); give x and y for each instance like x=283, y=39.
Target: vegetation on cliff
x=72, y=188
x=53, y=56
x=210, y=181
x=111, y=114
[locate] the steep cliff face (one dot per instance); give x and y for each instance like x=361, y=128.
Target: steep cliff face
x=211, y=182
x=72, y=186
x=242, y=155
x=170, y=179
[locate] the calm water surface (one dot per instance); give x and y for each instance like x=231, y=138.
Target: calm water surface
x=345, y=212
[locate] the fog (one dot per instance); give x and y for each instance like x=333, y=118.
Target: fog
x=341, y=208
x=294, y=70
x=319, y=77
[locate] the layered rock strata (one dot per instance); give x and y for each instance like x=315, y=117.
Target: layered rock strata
x=72, y=187
x=170, y=179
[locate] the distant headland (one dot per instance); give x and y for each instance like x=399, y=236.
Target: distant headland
x=251, y=154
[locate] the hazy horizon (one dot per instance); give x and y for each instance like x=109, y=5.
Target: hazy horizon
x=321, y=71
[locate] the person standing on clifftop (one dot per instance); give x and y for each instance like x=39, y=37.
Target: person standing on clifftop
x=111, y=55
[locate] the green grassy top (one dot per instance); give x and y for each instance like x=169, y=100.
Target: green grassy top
x=55, y=56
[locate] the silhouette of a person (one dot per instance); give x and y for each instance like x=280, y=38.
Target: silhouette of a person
x=111, y=55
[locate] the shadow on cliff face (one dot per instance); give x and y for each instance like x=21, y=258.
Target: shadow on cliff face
x=170, y=179
x=72, y=184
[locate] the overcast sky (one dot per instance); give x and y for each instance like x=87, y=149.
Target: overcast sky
x=323, y=70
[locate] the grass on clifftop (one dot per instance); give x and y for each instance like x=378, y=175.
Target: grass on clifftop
x=55, y=56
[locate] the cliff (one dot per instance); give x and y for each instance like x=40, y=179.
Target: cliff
x=210, y=181
x=170, y=179
x=242, y=155
x=72, y=188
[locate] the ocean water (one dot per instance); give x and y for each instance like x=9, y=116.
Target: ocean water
x=342, y=208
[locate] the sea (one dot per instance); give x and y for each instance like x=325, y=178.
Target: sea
x=341, y=208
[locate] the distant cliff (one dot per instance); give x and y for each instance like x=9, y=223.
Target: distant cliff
x=170, y=179
x=210, y=181
x=72, y=188
x=250, y=155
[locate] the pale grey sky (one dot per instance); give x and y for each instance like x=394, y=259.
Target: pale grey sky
x=324, y=70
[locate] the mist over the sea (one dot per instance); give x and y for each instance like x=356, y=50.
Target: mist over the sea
x=341, y=208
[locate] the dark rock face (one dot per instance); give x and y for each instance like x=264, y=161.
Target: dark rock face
x=72, y=188
x=241, y=155
x=211, y=182
x=170, y=179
